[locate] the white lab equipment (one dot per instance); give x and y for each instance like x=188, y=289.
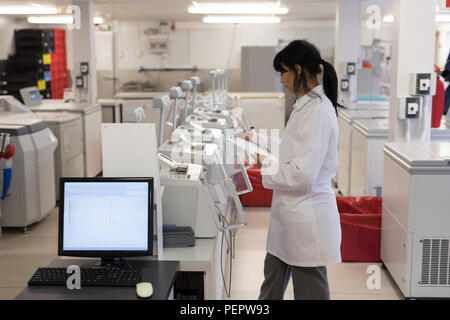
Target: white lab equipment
x=68, y=129
x=112, y=110
x=206, y=121
x=346, y=119
x=7, y=151
x=368, y=106
x=33, y=181
x=91, y=116
x=186, y=86
x=212, y=77
x=368, y=139
x=264, y=110
x=187, y=199
x=198, y=134
x=175, y=93
x=130, y=150
x=134, y=115
x=161, y=103
x=415, y=235
x=195, y=82
x=218, y=113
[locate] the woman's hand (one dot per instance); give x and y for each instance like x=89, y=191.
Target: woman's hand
x=247, y=135
x=260, y=159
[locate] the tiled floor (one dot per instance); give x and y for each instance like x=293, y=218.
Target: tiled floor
x=347, y=280
x=21, y=254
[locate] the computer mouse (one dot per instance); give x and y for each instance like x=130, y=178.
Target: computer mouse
x=144, y=290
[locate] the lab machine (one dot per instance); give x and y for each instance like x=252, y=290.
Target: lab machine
x=264, y=110
x=368, y=139
x=112, y=110
x=132, y=100
x=194, y=205
x=415, y=232
x=91, y=116
x=33, y=182
x=68, y=129
x=345, y=120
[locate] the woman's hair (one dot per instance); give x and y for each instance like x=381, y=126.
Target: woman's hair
x=307, y=56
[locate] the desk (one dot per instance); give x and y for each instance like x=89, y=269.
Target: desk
x=204, y=257
x=161, y=274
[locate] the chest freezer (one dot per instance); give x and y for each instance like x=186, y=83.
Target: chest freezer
x=415, y=235
x=345, y=120
x=368, y=139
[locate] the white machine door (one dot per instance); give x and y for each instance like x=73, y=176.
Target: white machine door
x=46, y=143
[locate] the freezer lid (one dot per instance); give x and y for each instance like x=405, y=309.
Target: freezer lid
x=14, y=130
x=57, y=105
x=369, y=106
x=351, y=115
x=58, y=117
x=420, y=154
x=372, y=127
x=442, y=132
x=136, y=95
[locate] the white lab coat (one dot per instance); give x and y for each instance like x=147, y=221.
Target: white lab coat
x=304, y=225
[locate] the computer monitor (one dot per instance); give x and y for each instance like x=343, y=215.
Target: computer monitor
x=30, y=96
x=106, y=217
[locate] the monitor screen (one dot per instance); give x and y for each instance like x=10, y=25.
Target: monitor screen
x=106, y=217
x=34, y=95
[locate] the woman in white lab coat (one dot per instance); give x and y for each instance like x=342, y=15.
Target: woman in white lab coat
x=304, y=232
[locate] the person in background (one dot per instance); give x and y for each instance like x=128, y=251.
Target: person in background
x=446, y=75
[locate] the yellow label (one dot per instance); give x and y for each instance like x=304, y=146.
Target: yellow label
x=41, y=85
x=47, y=58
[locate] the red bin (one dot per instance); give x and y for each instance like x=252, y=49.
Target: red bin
x=259, y=197
x=361, y=228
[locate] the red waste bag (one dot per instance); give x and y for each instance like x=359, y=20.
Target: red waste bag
x=259, y=197
x=361, y=228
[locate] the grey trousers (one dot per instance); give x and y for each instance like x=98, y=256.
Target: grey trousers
x=310, y=283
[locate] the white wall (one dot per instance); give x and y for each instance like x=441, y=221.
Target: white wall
x=209, y=47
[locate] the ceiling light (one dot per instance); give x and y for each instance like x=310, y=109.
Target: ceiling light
x=443, y=18
x=98, y=20
x=388, y=19
x=240, y=19
x=32, y=9
x=57, y=19
x=237, y=8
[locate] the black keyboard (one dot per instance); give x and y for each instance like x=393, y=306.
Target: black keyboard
x=90, y=277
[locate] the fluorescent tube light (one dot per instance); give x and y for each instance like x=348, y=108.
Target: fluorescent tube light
x=240, y=19
x=237, y=8
x=98, y=20
x=388, y=19
x=57, y=19
x=27, y=10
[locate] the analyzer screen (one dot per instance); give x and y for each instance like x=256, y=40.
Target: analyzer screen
x=106, y=216
x=34, y=95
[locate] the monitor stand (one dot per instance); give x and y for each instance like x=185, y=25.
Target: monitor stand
x=114, y=262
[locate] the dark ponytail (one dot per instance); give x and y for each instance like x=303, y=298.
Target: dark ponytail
x=307, y=56
x=330, y=84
